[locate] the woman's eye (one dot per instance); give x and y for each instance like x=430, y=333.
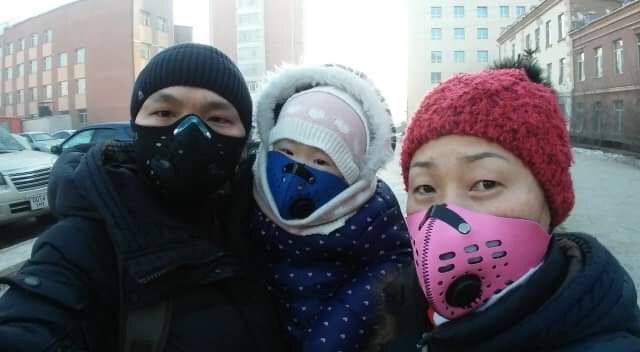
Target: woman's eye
x=424, y=190
x=484, y=185
x=216, y=119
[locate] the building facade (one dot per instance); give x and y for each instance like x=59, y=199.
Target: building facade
x=258, y=35
x=80, y=60
x=545, y=30
x=606, y=59
x=450, y=37
x=182, y=34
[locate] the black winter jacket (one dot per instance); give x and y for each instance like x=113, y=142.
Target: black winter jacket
x=580, y=299
x=117, y=248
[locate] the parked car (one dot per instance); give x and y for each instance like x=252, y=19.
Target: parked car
x=22, y=140
x=93, y=134
x=24, y=176
x=41, y=141
x=62, y=134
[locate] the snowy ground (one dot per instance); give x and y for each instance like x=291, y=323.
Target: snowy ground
x=607, y=190
x=607, y=206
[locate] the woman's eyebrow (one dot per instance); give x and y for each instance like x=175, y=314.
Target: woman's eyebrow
x=484, y=155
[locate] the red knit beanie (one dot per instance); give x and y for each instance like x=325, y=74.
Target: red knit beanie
x=505, y=107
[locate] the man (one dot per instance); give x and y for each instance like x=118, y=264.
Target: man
x=149, y=252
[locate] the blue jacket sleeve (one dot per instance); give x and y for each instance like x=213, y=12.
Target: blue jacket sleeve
x=346, y=324
x=50, y=298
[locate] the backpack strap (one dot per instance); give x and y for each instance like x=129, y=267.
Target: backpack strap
x=148, y=327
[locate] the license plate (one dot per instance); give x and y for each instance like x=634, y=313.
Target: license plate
x=39, y=201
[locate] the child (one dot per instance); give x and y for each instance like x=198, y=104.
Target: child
x=486, y=163
x=329, y=230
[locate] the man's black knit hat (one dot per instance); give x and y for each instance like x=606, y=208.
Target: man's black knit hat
x=194, y=65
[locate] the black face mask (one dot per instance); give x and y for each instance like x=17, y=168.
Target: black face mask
x=187, y=161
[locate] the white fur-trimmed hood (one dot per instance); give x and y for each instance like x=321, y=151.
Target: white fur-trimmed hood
x=289, y=80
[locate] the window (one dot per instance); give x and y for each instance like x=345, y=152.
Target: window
x=504, y=11
x=436, y=12
x=520, y=10
x=598, y=62
x=617, y=56
x=618, y=114
x=47, y=63
x=80, y=58
x=527, y=41
x=8, y=98
x=537, y=39
x=33, y=94
x=547, y=33
x=561, y=71
x=62, y=60
x=513, y=51
x=47, y=91
x=483, y=33
x=595, y=117
x=9, y=49
x=458, y=11
x=48, y=36
x=458, y=33
x=83, y=118
x=20, y=70
x=436, y=77
x=34, y=40
x=458, y=56
x=580, y=67
x=248, y=53
x=436, y=33
x=249, y=35
x=436, y=57
x=483, y=56
x=34, y=66
x=81, y=86
x=549, y=71
x=20, y=96
x=80, y=138
x=145, y=18
x=21, y=44
x=63, y=88
x=482, y=11
x=250, y=69
x=8, y=74
x=250, y=19
x=247, y=3
x=561, y=32
x=162, y=24
x=145, y=51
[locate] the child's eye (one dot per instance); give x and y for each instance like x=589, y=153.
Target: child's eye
x=285, y=150
x=484, y=185
x=424, y=190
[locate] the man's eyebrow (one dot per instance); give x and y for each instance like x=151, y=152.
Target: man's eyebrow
x=484, y=155
x=166, y=98
x=217, y=105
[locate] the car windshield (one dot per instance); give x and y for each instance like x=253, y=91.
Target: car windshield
x=8, y=143
x=38, y=137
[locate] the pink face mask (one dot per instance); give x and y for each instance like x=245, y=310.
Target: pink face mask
x=463, y=258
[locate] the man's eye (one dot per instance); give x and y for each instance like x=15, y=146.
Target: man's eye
x=424, y=190
x=321, y=162
x=286, y=151
x=163, y=113
x=484, y=185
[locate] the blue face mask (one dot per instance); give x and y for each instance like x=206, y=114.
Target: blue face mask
x=297, y=189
